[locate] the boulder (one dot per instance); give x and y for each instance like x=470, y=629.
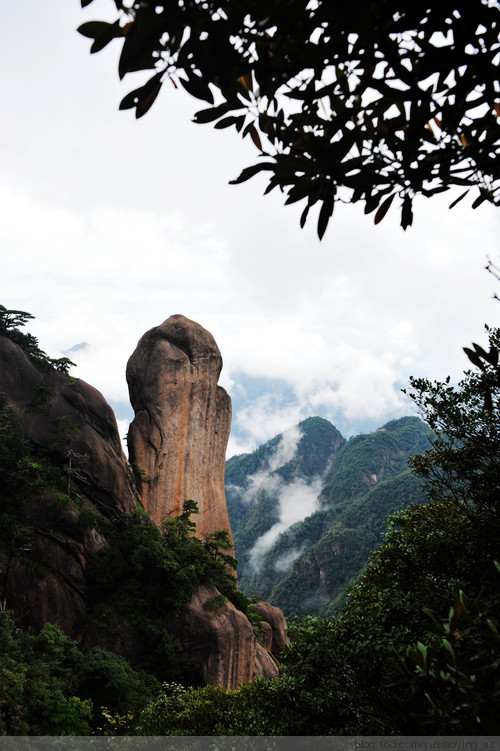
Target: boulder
x=264, y=665
x=277, y=635
x=218, y=640
x=182, y=419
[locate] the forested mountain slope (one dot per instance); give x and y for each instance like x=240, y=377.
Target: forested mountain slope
x=275, y=483
x=349, y=489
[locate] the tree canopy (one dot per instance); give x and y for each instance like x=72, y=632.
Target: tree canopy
x=361, y=101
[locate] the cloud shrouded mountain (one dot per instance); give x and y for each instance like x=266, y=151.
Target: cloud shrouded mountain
x=308, y=506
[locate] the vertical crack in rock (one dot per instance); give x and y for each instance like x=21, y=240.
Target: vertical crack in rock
x=182, y=420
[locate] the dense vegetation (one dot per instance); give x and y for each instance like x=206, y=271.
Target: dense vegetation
x=133, y=584
x=48, y=686
x=10, y=323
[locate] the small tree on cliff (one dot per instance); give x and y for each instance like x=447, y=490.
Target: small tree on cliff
x=10, y=323
x=364, y=101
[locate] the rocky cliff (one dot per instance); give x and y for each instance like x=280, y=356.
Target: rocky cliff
x=75, y=547
x=73, y=421
x=44, y=546
x=182, y=421
x=220, y=643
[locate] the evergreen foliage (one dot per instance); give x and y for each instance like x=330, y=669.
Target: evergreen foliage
x=145, y=573
x=414, y=651
x=10, y=323
x=49, y=687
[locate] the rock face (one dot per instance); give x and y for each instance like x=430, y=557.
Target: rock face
x=68, y=415
x=182, y=421
x=52, y=591
x=275, y=620
x=219, y=641
x=44, y=580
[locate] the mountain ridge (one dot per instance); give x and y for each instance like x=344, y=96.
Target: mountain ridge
x=305, y=565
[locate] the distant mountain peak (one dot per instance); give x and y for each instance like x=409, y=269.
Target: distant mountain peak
x=77, y=348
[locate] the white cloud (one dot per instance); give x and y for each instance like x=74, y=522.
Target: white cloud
x=109, y=225
x=263, y=419
x=297, y=501
x=284, y=563
x=286, y=448
x=264, y=479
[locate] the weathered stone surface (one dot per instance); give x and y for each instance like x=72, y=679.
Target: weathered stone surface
x=44, y=580
x=173, y=380
x=276, y=620
x=61, y=414
x=264, y=665
x=218, y=642
x=266, y=635
x=182, y=420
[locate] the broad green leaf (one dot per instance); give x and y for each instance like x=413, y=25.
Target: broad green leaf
x=325, y=214
x=92, y=29
x=303, y=217
x=474, y=358
x=143, y=97
x=147, y=100
x=449, y=651
x=254, y=135
x=101, y=32
x=226, y=122
x=480, y=199
x=406, y=213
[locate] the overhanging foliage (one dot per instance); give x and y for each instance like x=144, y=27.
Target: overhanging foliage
x=361, y=101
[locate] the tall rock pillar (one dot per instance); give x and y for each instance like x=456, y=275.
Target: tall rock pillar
x=182, y=419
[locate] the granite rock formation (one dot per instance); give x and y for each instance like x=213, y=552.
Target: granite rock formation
x=72, y=421
x=274, y=619
x=182, y=420
x=219, y=641
x=179, y=436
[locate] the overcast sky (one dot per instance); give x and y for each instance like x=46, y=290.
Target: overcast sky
x=109, y=225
